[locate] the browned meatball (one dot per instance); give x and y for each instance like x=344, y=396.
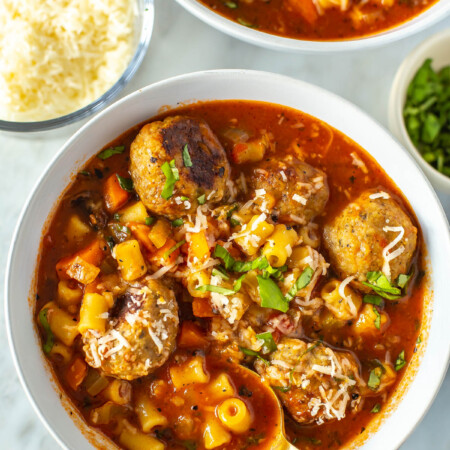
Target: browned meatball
x=314, y=383
x=355, y=239
x=299, y=191
x=140, y=334
x=164, y=141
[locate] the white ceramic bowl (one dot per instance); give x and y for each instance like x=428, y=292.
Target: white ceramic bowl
x=433, y=14
x=436, y=47
x=428, y=365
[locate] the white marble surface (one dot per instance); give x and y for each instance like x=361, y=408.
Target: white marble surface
x=181, y=44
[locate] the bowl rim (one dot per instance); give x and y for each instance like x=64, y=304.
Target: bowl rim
x=436, y=12
x=148, y=18
x=402, y=79
x=197, y=77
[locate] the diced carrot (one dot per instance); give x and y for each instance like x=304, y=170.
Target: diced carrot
x=82, y=271
x=198, y=247
x=306, y=9
x=202, y=308
x=162, y=257
x=115, y=196
x=191, y=335
x=92, y=254
x=185, y=248
x=76, y=373
x=141, y=232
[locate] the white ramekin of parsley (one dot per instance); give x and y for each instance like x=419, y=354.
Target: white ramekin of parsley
x=419, y=108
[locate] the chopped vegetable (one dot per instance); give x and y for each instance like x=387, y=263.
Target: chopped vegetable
x=402, y=280
x=107, y=153
x=269, y=343
x=186, y=157
x=373, y=300
x=302, y=281
x=238, y=283
x=172, y=176
x=271, y=295
x=202, y=199
x=239, y=266
x=377, y=321
x=218, y=271
x=177, y=222
x=231, y=5
x=175, y=247
x=282, y=388
x=217, y=289
x=381, y=285
x=376, y=408
x=234, y=222
x=248, y=352
x=50, y=339
x=375, y=378
x=150, y=221
x=245, y=23
x=114, y=193
x=400, y=362
x=427, y=115
x=76, y=373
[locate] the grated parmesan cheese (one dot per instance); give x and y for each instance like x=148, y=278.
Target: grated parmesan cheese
x=59, y=56
x=380, y=194
x=299, y=199
x=389, y=256
x=347, y=298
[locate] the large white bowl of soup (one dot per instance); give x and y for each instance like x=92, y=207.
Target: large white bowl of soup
x=219, y=244
x=318, y=25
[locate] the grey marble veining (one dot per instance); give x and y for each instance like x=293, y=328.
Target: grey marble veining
x=181, y=44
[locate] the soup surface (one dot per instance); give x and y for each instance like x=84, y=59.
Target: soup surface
x=222, y=236
x=318, y=20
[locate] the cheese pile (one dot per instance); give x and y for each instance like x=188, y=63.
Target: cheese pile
x=57, y=56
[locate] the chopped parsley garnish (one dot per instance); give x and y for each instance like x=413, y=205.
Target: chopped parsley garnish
x=175, y=247
x=271, y=295
x=238, y=283
x=216, y=289
x=150, y=220
x=110, y=242
x=202, y=199
x=239, y=266
x=403, y=279
x=107, y=153
x=377, y=321
x=231, y=5
x=376, y=409
x=123, y=229
x=172, y=176
x=184, y=199
x=50, y=339
x=218, y=271
x=269, y=343
x=373, y=300
x=234, y=222
x=282, y=388
x=375, y=378
x=177, y=222
x=125, y=183
x=400, y=362
x=186, y=157
x=302, y=281
x=248, y=352
x=231, y=211
x=381, y=285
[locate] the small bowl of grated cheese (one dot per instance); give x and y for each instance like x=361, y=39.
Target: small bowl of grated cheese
x=61, y=61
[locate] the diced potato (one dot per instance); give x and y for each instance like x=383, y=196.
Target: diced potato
x=76, y=228
x=221, y=387
x=160, y=233
x=68, y=294
x=148, y=414
x=190, y=372
x=135, y=440
x=133, y=213
x=214, y=435
x=141, y=232
x=82, y=271
x=93, y=312
x=366, y=321
x=131, y=262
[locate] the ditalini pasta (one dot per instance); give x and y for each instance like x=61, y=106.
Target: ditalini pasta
x=226, y=235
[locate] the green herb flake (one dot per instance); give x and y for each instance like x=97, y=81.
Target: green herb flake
x=86, y=173
x=219, y=272
x=381, y=285
x=269, y=343
x=282, y=389
x=403, y=280
x=377, y=321
x=400, y=362
x=177, y=222
x=216, y=289
x=376, y=409
x=375, y=378
x=271, y=295
x=234, y=222
x=123, y=229
x=245, y=23
x=302, y=281
x=110, y=242
x=175, y=247
x=231, y=5
x=202, y=199
x=50, y=339
x=186, y=157
x=248, y=352
x=419, y=339
x=125, y=183
x=238, y=283
x=172, y=176
x=116, y=216
x=374, y=300
x=184, y=199
x=150, y=220
x=239, y=266
x=107, y=153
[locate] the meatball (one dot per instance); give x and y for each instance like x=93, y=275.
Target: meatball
x=314, y=383
x=178, y=138
x=356, y=238
x=298, y=191
x=140, y=333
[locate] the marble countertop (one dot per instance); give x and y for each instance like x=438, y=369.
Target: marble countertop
x=180, y=44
